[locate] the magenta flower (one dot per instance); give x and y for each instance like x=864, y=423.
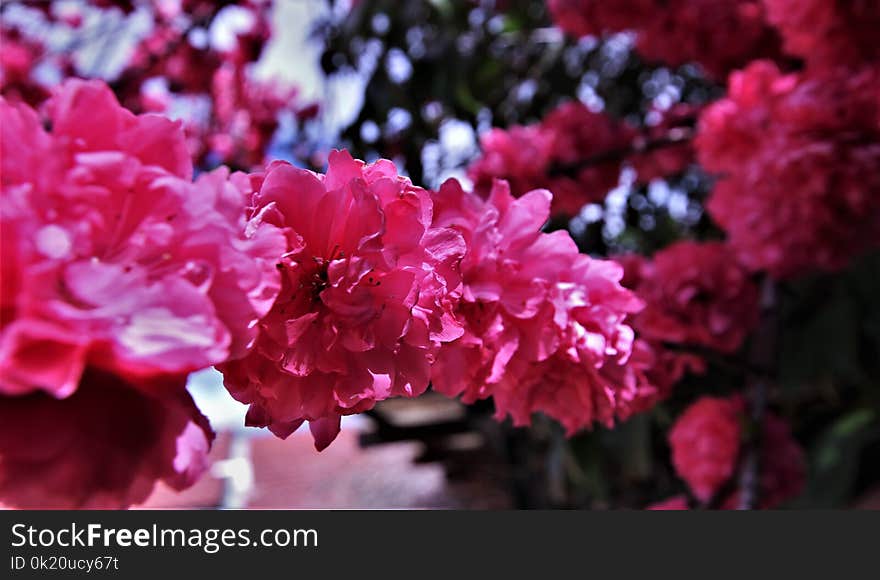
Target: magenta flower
x=116, y=268
x=545, y=326
x=368, y=290
x=706, y=442
x=552, y=154
x=112, y=256
x=806, y=196
x=103, y=447
x=828, y=32
x=696, y=295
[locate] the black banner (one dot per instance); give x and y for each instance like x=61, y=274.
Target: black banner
x=287, y=544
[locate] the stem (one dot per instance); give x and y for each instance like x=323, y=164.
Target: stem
x=675, y=136
x=763, y=356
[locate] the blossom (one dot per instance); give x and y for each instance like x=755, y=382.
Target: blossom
x=806, y=195
x=706, y=443
x=544, y=326
x=521, y=155
x=557, y=154
x=17, y=62
x=244, y=117
x=114, y=254
x=669, y=365
x=102, y=447
x=720, y=35
x=593, y=18
x=696, y=294
x=828, y=32
x=119, y=274
x=368, y=287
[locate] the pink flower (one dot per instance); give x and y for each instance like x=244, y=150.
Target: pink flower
x=115, y=256
x=697, y=295
x=521, y=155
x=103, y=447
x=721, y=35
x=706, y=445
x=244, y=117
x=119, y=276
x=545, y=326
x=367, y=296
x=556, y=154
x=669, y=365
x=799, y=164
x=828, y=32
x=17, y=62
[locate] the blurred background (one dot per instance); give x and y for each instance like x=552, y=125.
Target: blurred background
x=422, y=82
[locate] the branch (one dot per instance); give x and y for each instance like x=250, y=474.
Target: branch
x=639, y=145
x=763, y=357
x=734, y=363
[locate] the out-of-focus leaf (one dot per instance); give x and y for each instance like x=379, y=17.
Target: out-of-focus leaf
x=834, y=459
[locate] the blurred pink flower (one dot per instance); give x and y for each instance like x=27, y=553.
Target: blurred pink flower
x=367, y=296
x=720, y=35
x=828, y=32
x=119, y=276
x=706, y=443
x=103, y=447
x=111, y=253
x=805, y=195
x=696, y=294
x=548, y=155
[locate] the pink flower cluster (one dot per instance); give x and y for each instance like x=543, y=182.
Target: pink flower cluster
x=696, y=294
x=578, y=154
x=18, y=58
x=230, y=116
x=707, y=441
x=720, y=35
x=549, y=156
x=806, y=195
x=828, y=33
x=120, y=275
x=367, y=297
x=544, y=326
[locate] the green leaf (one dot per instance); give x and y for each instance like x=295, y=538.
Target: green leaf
x=834, y=459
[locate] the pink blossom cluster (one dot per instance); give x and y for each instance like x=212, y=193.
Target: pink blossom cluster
x=697, y=298
x=230, y=116
x=550, y=155
x=696, y=295
x=315, y=295
x=243, y=112
x=707, y=444
x=805, y=195
x=545, y=327
x=367, y=296
x=578, y=154
x=828, y=33
x=18, y=58
x=720, y=35
x=120, y=275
